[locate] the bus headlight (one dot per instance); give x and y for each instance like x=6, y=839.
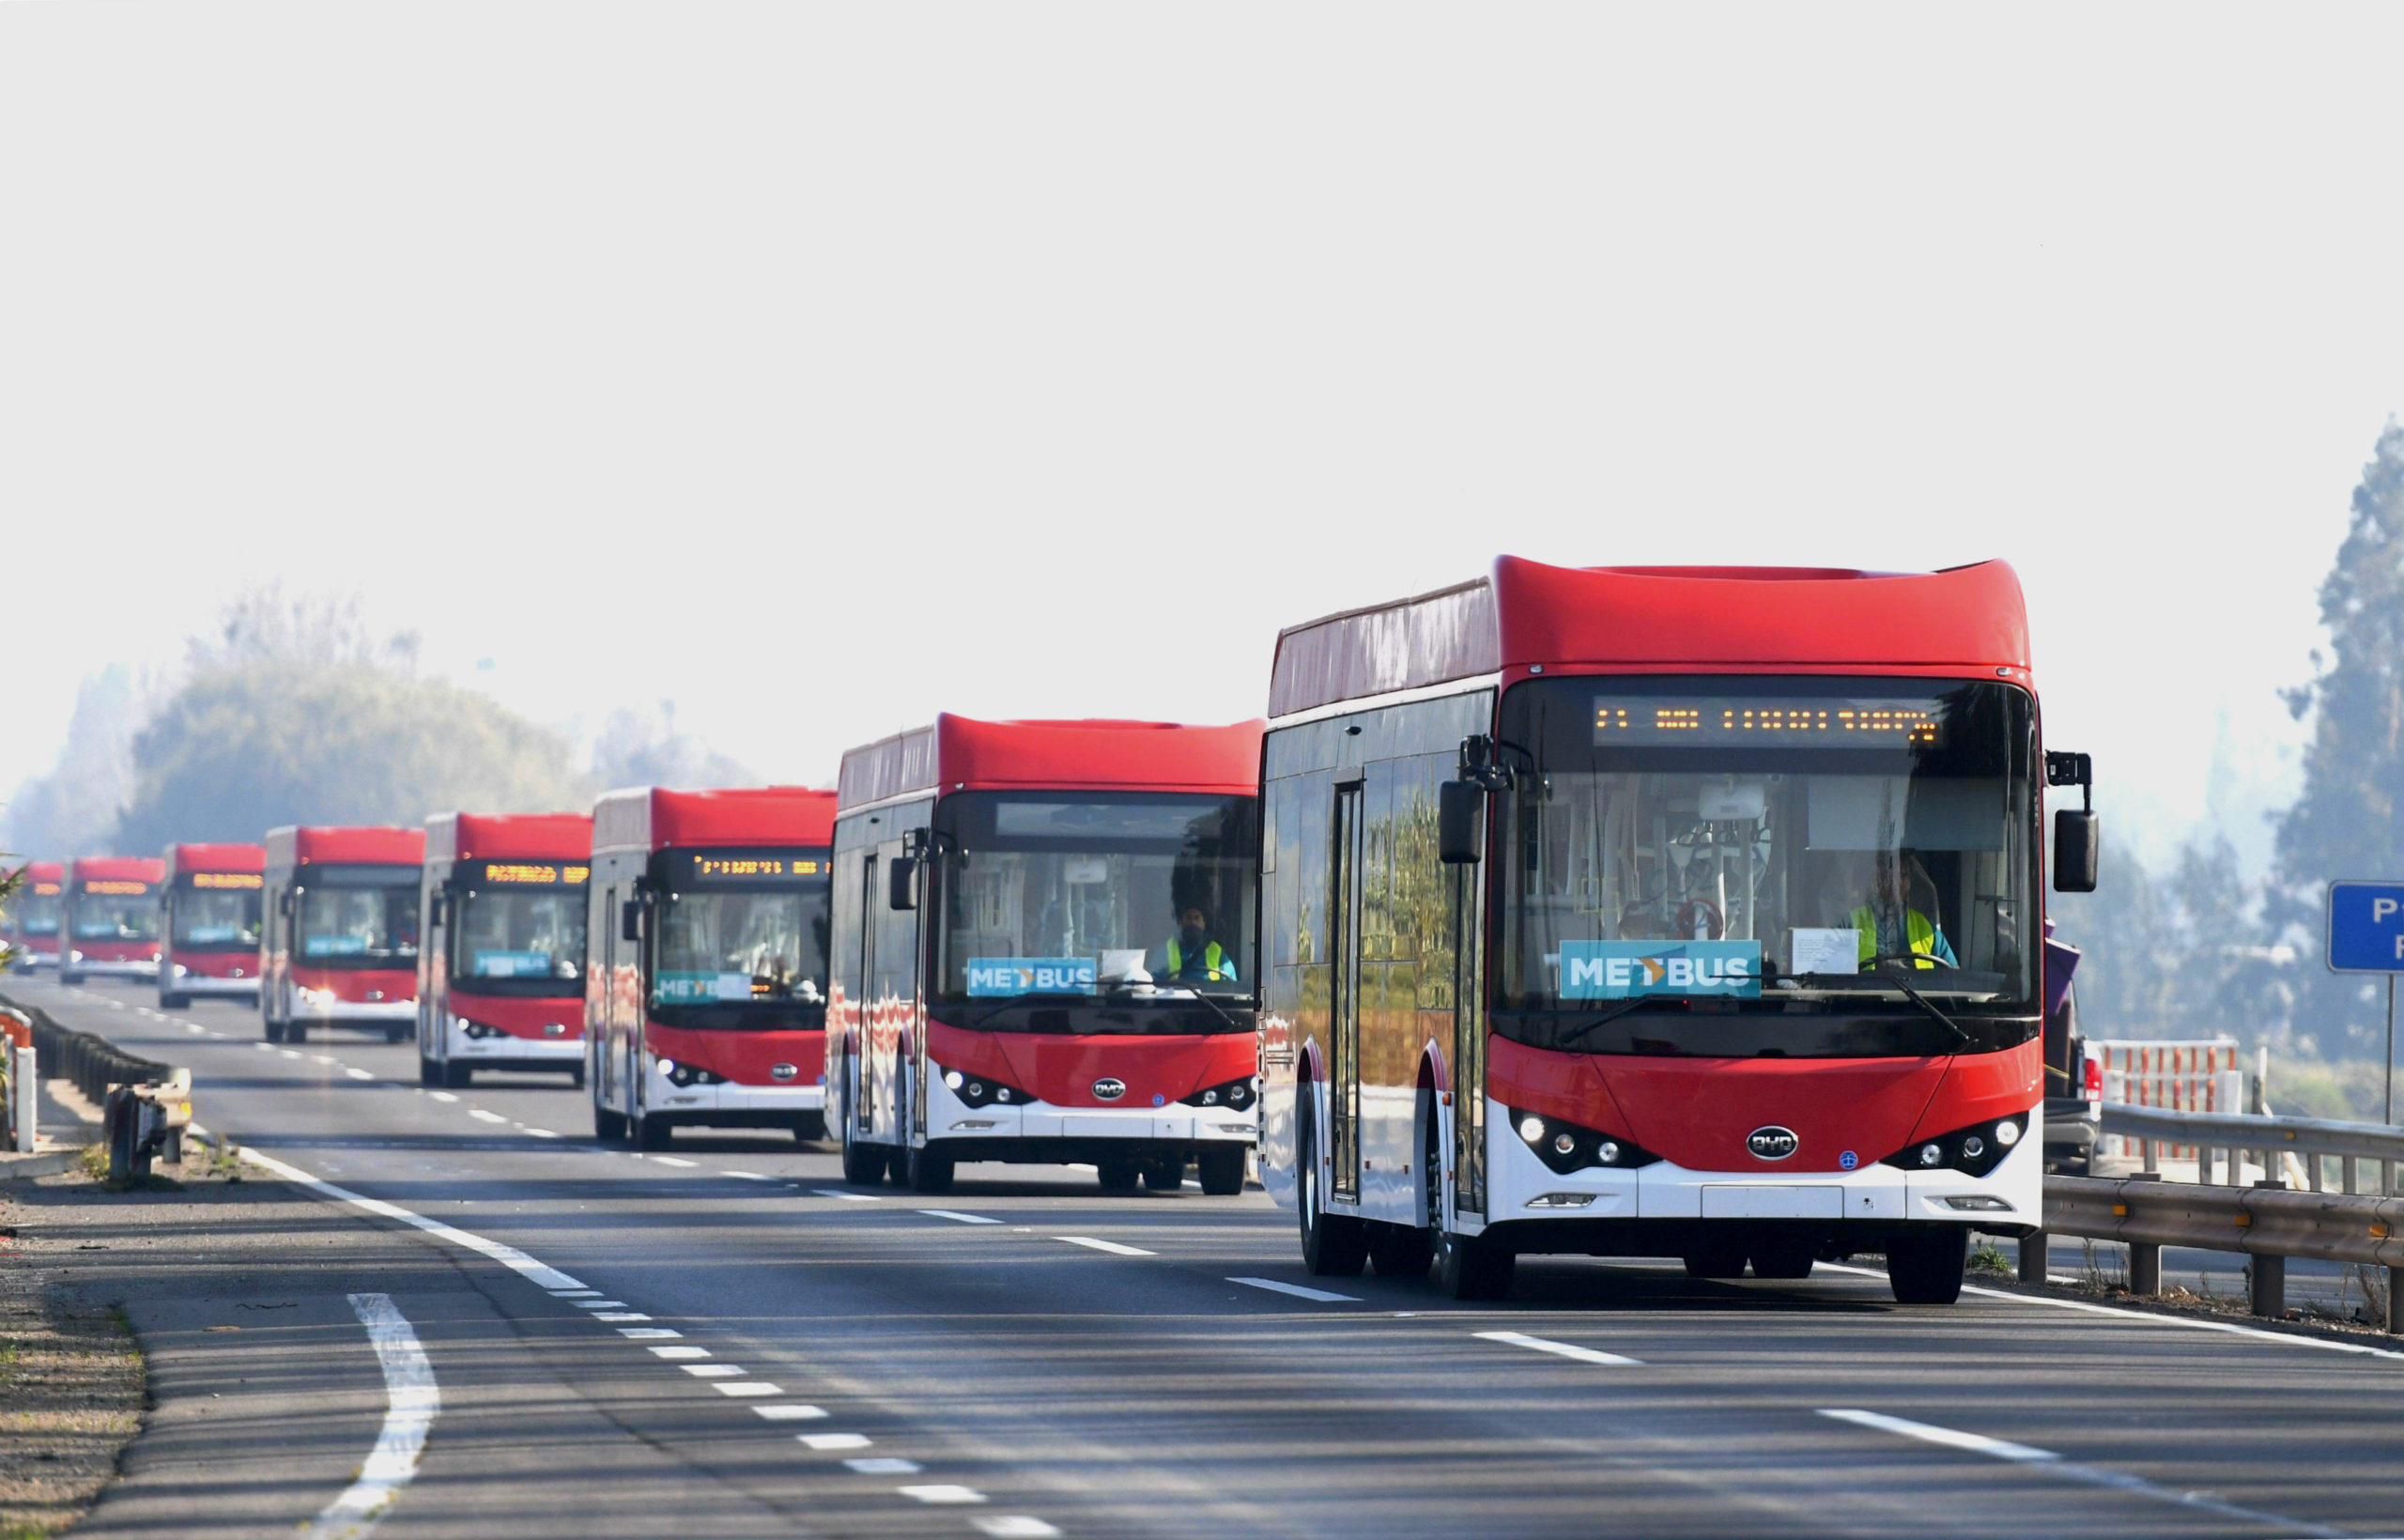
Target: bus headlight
x=1567, y=1147
x=979, y=1090
x=1974, y=1150
x=1238, y=1094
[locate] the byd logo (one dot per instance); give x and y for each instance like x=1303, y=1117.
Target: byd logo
x=1108, y=1089
x=1773, y=1143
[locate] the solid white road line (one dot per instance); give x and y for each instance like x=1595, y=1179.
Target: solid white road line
x=941, y=1494
x=834, y=1440
x=509, y=1256
x=883, y=1465
x=1297, y=1290
x=847, y=1198
x=410, y=1402
x=1560, y=1350
x=790, y=1413
x=1015, y=1527
x=2053, y=1464
x=953, y=1214
x=1113, y=1247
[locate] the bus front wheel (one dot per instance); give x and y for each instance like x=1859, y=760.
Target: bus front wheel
x=1221, y=1171
x=1926, y=1269
x=863, y=1163
x=1333, y=1244
x=654, y=1132
x=929, y=1172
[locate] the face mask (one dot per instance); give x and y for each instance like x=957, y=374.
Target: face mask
x=1190, y=936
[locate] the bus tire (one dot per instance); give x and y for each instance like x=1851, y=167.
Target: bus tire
x=1333, y=1244
x=1221, y=1171
x=396, y=1034
x=426, y=1075
x=655, y=1132
x=1468, y=1267
x=575, y=1078
x=928, y=1171
x=1784, y=1261
x=296, y=1032
x=458, y=1077
x=1717, y=1254
x=1164, y=1175
x=1926, y=1269
x=863, y=1163
x=897, y=1166
x=1400, y=1250
x=608, y=1126
x=1118, y=1172
x=272, y=1028
x=173, y=1002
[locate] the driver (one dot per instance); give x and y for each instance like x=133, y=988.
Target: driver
x=1890, y=901
x=1194, y=956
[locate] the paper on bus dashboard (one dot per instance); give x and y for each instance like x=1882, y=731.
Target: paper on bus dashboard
x=1821, y=950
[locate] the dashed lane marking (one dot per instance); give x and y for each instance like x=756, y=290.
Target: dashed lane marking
x=483, y=1116
x=1561, y=1349
x=847, y=1198
x=411, y=1402
x=442, y=1096
x=648, y=1333
x=1297, y=1290
x=2053, y=1464
x=715, y=1371
x=748, y=1176
x=749, y=1387
x=961, y=1217
x=541, y=1134
x=671, y=1159
x=615, y=1315
x=1015, y=1527
x=883, y=1465
x=790, y=1413
x=263, y=1047
x=941, y=1494
x=1113, y=1247
x=829, y=1441
x=599, y=1304
x=323, y=1058
x=357, y=1073
x=674, y=1353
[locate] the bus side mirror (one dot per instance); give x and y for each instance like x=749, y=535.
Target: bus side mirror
x=630, y=919
x=1461, y=823
x=901, y=883
x=2077, y=844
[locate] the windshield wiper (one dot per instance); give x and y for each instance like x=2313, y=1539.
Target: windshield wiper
x=1617, y=1009
x=1922, y=1001
x=1125, y=988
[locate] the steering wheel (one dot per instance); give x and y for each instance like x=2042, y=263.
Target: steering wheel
x=1699, y=908
x=1913, y=961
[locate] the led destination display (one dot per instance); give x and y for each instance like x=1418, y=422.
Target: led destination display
x=526, y=875
x=1791, y=722
x=740, y=868
x=225, y=879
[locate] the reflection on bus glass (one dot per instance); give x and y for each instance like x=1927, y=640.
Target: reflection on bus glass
x=1098, y=894
x=519, y=934
x=1765, y=852
x=359, y=926
x=217, y=919
x=116, y=917
x=731, y=947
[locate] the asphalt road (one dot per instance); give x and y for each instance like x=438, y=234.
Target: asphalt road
x=1025, y=1356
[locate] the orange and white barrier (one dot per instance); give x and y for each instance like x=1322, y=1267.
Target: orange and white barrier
x=2197, y=1074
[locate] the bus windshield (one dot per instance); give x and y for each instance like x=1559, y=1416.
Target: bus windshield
x=37, y=914
x=217, y=920
x=519, y=941
x=357, y=927
x=1765, y=846
x=116, y=917
x=1130, y=895
x=742, y=946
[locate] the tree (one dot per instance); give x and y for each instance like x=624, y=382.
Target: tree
x=2178, y=954
x=71, y=809
x=2345, y=824
x=243, y=747
x=644, y=749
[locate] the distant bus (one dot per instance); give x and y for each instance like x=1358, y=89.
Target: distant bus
x=1044, y=951
x=705, y=964
x=1659, y=912
x=211, y=898
x=340, y=942
x=31, y=918
x=500, y=971
x=110, y=918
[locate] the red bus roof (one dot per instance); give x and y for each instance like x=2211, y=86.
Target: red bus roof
x=376, y=845
x=215, y=859
x=483, y=837
x=654, y=818
x=1653, y=620
x=958, y=754
x=45, y=872
x=122, y=868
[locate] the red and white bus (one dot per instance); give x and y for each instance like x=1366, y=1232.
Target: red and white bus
x=109, y=919
x=705, y=971
x=1670, y=912
x=339, y=948
x=1043, y=950
x=33, y=914
x=211, y=918
x=501, y=966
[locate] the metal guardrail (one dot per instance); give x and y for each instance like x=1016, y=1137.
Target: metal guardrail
x=2268, y=1222
x=146, y=1105
x=92, y=1062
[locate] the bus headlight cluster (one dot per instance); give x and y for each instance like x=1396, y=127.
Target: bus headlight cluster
x=477, y=1030
x=1567, y=1147
x=688, y=1074
x=982, y=1090
x=1237, y=1094
x=1976, y=1149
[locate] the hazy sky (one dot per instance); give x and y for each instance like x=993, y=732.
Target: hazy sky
x=823, y=366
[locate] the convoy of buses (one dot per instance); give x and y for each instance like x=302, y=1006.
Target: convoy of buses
x=1694, y=912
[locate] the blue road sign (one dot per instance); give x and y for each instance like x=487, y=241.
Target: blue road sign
x=2367, y=927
